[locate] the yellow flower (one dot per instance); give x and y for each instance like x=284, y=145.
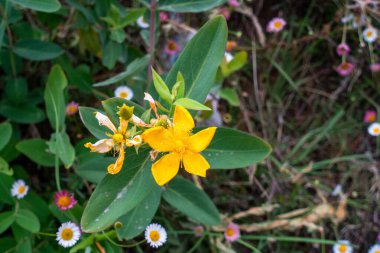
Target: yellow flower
x=183, y=147
x=117, y=141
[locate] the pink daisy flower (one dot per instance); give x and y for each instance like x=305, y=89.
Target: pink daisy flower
x=342, y=49
x=233, y=3
x=370, y=116
x=375, y=67
x=71, y=108
x=198, y=231
x=64, y=200
x=345, y=69
x=164, y=16
x=171, y=48
x=232, y=232
x=276, y=25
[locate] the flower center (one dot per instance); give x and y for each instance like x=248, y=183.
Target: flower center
x=376, y=130
x=369, y=33
x=154, y=236
x=198, y=230
x=123, y=94
x=342, y=248
x=64, y=201
x=377, y=251
x=345, y=66
x=371, y=118
x=277, y=24
x=21, y=189
x=172, y=45
x=118, y=138
x=230, y=232
x=67, y=234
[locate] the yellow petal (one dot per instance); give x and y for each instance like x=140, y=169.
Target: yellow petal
x=123, y=125
x=199, y=141
x=105, y=121
x=183, y=122
x=101, y=146
x=166, y=168
x=115, y=168
x=195, y=163
x=159, y=138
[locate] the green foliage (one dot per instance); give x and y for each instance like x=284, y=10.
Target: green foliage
x=36, y=50
x=37, y=151
x=27, y=220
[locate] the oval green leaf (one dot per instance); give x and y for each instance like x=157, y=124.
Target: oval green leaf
x=27, y=220
x=87, y=116
x=200, y=59
x=39, y=5
x=118, y=194
x=37, y=50
x=91, y=166
x=191, y=104
x=232, y=149
x=6, y=220
x=36, y=150
x=5, y=134
x=189, y=5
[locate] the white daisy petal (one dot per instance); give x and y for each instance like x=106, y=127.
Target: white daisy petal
x=155, y=235
x=68, y=234
x=124, y=92
x=374, y=249
x=374, y=129
x=228, y=56
x=142, y=23
x=19, y=189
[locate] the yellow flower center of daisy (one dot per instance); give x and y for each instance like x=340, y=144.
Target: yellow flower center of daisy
x=123, y=94
x=277, y=24
x=369, y=33
x=118, y=138
x=154, y=236
x=376, y=130
x=72, y=109
x=342, y=248
x=67, y=234
x=21, y=189
x=64, y=201
x=198, y=230
x=230, y=232
x=371, y=118
x=172, y=45
x=377, y=251
x=345, y=66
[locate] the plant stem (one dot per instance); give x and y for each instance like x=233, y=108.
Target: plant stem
x=249, y=246
x=151, y=40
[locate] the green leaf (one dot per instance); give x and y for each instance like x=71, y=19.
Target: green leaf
x=24, y=114
x=118, y=194
x=111, y=108
x=24, y=246
x=232, y=149
x=239, y=60
x=111, y=54
x=54, y=99
x=6, y=220
x=27, y=220
x=230, y=95
x=5, y=134
x=161, y=88
x=91, y=166
x=191, y=104
x=132, y=16
x=60, y=145
x=37, y=50
x=87, y=116
x=200, y=59
x=190, y=200
x=131, y=70
x=117, y=35
x=5, y=189
x=135, y=221
x=17, y=90
x=189, y=5
x=39, y=5
x=4, y=167
x=36, y=150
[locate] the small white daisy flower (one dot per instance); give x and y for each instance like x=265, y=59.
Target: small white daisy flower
x=374, y=129
x=228, y=56
x=374, y=249
x=68, y=234
x=342, y=247
x=370, y=34
x=155, y=235
x=124, y=92
x=19, y=189
x=142, y=23
x=276, y=25
x=347, y=18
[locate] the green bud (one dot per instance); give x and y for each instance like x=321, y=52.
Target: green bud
x=126, y=112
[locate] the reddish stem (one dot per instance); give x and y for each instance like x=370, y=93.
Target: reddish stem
x=151, y=40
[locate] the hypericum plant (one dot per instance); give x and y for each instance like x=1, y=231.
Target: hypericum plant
x=154, y=144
